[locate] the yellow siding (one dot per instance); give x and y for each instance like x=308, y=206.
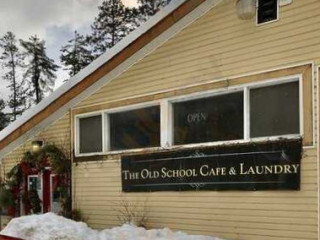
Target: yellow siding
x=220, y=45
x=215, y=46
x=232, y=215
x=58, y=133
x=4, y=221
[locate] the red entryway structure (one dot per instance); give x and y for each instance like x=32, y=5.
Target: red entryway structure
x=8, y=238
x=46, y=185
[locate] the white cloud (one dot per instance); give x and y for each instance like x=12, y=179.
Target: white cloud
x=31, y=17
x=52, y=20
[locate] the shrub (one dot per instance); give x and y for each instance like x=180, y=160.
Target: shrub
x=132, y=212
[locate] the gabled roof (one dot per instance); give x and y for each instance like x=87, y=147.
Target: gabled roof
x=61, y=100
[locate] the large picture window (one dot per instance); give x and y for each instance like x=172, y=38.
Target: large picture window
x=138, y=128
x=218, y=118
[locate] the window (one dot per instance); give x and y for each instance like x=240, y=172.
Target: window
x=138, y=128
x=217, y=118
x=267, y=11
x=35, y=183
x=274, y=110
x=268, y=109
x=90, y=134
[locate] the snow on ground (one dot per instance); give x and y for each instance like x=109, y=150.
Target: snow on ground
x=52, y=227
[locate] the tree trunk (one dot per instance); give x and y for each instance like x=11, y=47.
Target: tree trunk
x=113, y=25
x=14, y=87
x=36, y=77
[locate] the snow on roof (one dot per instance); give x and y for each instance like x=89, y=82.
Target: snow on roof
x=27, y=115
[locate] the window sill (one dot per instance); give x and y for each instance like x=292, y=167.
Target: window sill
x=108, y=155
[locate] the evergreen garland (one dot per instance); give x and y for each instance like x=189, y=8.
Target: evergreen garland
x=6, y=198
x=35, y=163
x=35, y=201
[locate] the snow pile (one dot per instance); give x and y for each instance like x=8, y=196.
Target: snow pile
x=47, y=227
x=52, y=227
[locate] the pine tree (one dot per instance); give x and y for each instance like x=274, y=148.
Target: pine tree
x=114, y=22
x=76, y=55
x=41, y=69
x=20, y=104
x=4, y=120
x=149, y=8
x=12, y=60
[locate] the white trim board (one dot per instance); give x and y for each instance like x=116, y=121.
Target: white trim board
x=149, y=48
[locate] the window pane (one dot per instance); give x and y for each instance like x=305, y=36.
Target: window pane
x=34, y=183
x=217, y=118
x=267, y=10
x=135, y=129
x=90, y=134
x=274, y=110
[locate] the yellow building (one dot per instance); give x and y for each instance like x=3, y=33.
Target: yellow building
x=194, y=77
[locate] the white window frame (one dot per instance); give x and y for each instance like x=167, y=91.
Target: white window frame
x=106, y=128
x=39, y=177
x=166, y=117
x=246, y=120
x=196, y=96
x=77, y=134
x=51, y=192
x=298, y=79
x=275, y=20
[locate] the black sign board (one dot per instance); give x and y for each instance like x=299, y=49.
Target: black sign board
x=251, y=166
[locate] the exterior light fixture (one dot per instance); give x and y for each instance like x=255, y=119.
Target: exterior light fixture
x=246, y=9
x=36, y=145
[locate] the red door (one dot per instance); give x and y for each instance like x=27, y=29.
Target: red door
x=46, y=191
x=46, y=185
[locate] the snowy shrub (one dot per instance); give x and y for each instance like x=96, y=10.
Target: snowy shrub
x=129, y=212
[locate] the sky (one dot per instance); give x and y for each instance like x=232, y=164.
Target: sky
x=51, y=20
